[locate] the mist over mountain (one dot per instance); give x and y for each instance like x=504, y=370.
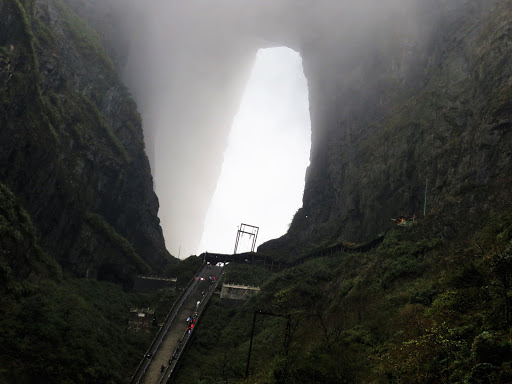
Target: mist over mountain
x=181, y=57
x=187, y=65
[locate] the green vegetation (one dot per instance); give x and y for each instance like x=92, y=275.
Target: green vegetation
x=88, y=41
x=100, y=121
x=59, y=329
x=20, y=252
x=63, y=330
x=184, y=270
x=245, y=274
x=34, y=77
x=100, y=225
x=160, y=300
x=38, y=39
x=417, y=309
x=72, y=331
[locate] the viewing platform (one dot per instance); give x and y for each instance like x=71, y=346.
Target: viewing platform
x=238, y=292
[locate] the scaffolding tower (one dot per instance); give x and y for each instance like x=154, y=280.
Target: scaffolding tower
x=250, y=230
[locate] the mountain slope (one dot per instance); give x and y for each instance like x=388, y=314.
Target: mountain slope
x=417, y=309
x=418, y=107
x=72, y=145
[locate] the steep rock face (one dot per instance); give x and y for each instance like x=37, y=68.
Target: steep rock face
x=398, y=96
x=433, y=105
x=72, y=147
x=400, y=92
x=22, y=258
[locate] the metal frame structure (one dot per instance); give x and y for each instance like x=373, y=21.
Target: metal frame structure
x=244, y=228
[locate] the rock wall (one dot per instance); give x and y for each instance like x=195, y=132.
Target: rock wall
x=415, y=103
x=401, y=92
x=72, y=146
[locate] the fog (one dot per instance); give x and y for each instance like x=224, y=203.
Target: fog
x=188, y=65
x=262, y=175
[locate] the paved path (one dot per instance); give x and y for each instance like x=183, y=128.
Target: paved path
x=150, y=371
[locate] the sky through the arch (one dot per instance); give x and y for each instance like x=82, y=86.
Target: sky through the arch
x=262, y=177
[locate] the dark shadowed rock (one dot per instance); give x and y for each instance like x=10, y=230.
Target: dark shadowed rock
x=72, y=145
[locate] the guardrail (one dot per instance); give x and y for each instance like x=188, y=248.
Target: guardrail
x=267, y=259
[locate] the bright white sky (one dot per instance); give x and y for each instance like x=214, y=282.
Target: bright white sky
x=262, y=177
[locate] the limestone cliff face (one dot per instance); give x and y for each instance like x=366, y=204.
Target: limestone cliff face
x=72, y=147
x=398, y=96
x=428, y=101
x=400, y=92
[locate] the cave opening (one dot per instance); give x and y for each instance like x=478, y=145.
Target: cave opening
x=263, y=171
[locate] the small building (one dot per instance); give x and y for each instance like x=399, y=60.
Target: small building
x=238, y=292
x=141, y=320
x=151, y=283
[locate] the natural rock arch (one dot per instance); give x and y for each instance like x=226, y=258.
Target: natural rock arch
x=371, y=142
